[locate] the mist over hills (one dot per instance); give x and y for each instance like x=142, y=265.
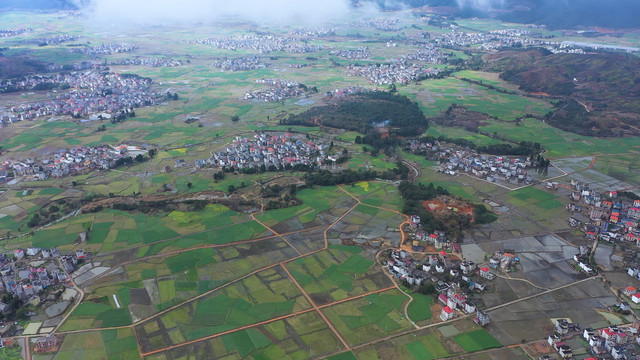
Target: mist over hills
x=616, y=14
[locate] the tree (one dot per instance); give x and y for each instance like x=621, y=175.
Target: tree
x=139, y=158
x=189, y=185
x=153, y=152
x=231, y=189
x=235, y=118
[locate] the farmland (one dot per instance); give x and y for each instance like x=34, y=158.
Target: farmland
x=172, y=255
x=370, y=317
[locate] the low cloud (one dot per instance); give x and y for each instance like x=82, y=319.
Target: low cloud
x=157, y=12
x=480, y=4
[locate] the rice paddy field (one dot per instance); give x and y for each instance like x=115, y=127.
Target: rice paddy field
x=263, y=296
x=370, y=317
x=337, y=273
x=198, y=279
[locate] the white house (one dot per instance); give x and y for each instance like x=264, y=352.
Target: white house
x=447, y=313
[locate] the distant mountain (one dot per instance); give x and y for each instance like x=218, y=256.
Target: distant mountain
x=617, y=14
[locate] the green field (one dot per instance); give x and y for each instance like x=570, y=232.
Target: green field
x=420, y=307
x=476, y=340
x=314, y=201
x=107, y=344
x=335, y=274
x=436, y=95
x=265, y=295
x=367, y=318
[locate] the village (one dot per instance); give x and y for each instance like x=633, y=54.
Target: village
x=273, y=152
x=264, y=44
x=152, y=62
x=380, y=23
x=611, y=342
x=493, y=168
x=55, y=39
x=603, y=215
x=89, y=92
x=447, y=277
x=105, y=49
x=6, y=33
x=75, y=161
x=37, y=284
x=360, y=53
x=347, y=91
x=276, y=90
x=430, y=54
x=241, y=63
x=396, y=72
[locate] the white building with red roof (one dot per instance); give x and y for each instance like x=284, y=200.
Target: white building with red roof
x=447, y=313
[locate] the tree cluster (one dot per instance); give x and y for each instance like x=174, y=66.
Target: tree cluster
x=362, y=112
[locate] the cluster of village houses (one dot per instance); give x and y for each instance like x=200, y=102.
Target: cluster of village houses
x=488, y=41
x=611, y=342
x=313, y=33
x=430, y=54
x=5, y=33
x=105, y=49
x=360, y=53
x=271, y=150
x=68, y=162
x=152, y=62
x=240, y=63
x=380, y=23
x=91, y=92
x=454, y=160
x=31, y=271
x=56, y=39
x=35, y=275
x=350, y=90
x=604, y=215
x=276, y=90
x=262, y=43
x=434, y=270
x=396, y=72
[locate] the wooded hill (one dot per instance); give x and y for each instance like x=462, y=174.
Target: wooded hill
x=363, y=111
x=600, y=91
